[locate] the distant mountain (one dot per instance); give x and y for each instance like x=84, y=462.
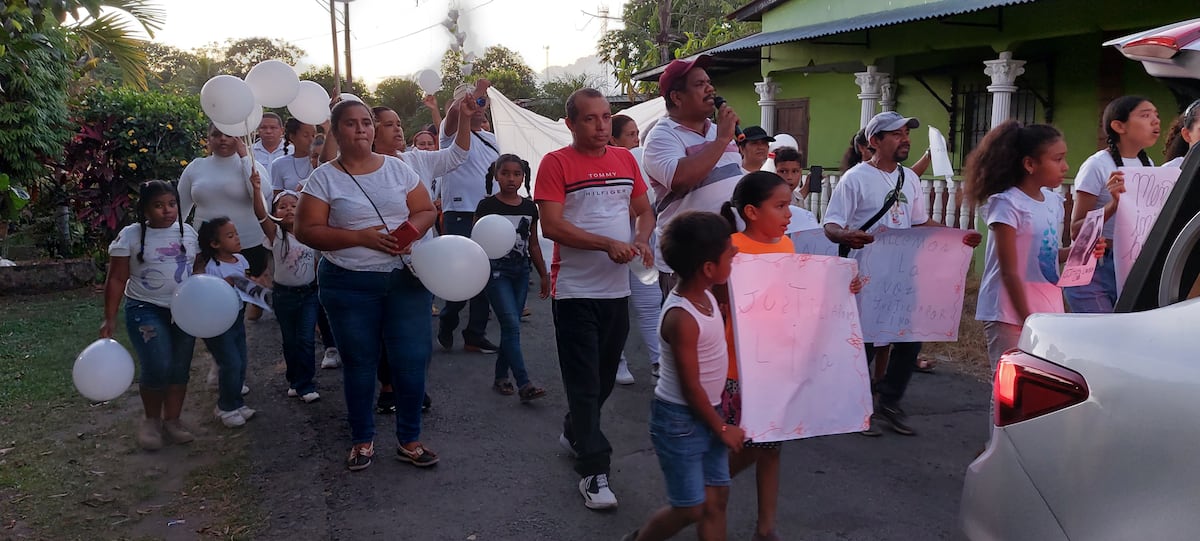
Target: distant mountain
x=591, y=65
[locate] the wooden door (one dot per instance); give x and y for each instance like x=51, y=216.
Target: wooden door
x=791, y=117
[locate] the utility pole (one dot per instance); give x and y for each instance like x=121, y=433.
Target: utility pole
x=664, y=31
x=346, y=22
x=337, y=77
x=547, y=49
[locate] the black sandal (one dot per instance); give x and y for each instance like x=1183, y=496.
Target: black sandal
x=504, y=387
x=529, y=393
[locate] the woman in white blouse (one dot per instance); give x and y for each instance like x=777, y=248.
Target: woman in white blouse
x=364, y=210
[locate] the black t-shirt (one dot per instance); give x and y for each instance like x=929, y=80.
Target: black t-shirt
x=523, y=217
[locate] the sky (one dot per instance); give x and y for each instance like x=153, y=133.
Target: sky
x=381, y=44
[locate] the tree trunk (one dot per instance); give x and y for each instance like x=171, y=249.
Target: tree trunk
x=664, y=31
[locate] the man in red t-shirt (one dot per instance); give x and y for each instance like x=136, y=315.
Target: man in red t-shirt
x=585, y=193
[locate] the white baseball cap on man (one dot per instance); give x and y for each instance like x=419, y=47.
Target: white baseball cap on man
x=889, y=121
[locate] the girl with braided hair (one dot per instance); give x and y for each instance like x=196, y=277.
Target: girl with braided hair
x=147, y=261
x=1131, y=124
x=290, y=171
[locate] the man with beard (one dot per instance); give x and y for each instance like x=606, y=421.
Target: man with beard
x=859, y=196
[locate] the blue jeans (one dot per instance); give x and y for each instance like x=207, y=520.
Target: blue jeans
x=690, y=455
x=164, y=350
x=460, y=223
x=296, y=309
x=229, y=351
x=373, y=314
x=507, y=290
x=1099, y=295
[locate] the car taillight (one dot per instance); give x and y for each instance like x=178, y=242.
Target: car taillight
x=1026, y=387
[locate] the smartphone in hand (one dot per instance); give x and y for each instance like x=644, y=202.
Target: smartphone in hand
x=406, y=234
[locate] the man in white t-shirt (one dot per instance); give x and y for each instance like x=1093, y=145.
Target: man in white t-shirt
x=859, y=197
x=586, y=194
x=460, y=192
x=693, y=164
x=269, y=145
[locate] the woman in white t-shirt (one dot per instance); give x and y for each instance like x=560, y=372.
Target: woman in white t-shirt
x=1131, y=124
x=288, y=172
x=364, y=210
x=147, y=261
x=1013, y=174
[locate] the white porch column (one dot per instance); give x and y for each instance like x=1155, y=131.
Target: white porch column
x=888, y=94
x=870, y=82
x=767, y=90
x=1004, y=73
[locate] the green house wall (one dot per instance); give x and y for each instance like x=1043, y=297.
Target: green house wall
x=1060, y=40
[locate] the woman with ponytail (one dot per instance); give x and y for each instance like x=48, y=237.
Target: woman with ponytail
x=1131, y=125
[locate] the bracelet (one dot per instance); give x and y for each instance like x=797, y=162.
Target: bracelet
x=724, y=428
x=263, y=220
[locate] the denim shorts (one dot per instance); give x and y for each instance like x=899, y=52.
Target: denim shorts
x=690, y=455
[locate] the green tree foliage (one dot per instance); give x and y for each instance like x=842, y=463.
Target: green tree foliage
x=96, y=36
x=236, y=57
x=323, y=75
x=125, y=138
x=33, y=103
x=554, y=94
x=402, y=95
x=507, y=71
x=692, y=22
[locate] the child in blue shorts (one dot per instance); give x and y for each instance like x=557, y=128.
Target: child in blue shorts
x=690, y=436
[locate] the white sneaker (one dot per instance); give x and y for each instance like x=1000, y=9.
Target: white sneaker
x=246, y=412
x=310, y=397
x=231, y=419
x=332, y=358
x=292, y=393
x=624, y=377
x=212, y=379
x=245, y=389
x=596, y=494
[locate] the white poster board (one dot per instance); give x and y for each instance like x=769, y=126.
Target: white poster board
x=1146, y=190
x=1081, y=261
x=913, y=284
x=802, y=367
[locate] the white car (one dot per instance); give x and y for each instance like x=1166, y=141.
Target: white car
x=1095, y=434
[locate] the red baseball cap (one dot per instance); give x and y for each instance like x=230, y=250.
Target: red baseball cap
x=677, y=70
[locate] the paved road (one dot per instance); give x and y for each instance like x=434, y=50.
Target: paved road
x=503, y=476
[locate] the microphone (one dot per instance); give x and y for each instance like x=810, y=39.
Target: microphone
x=738, y=136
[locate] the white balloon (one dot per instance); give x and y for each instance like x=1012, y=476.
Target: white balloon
x=205, y=306
x=274, y=83
x=783, y=140
x=429, y=81
x=495, y=234
x=311, y=105
x=103, y=370
x=467, y=69
x=346, y=96
x=242, y=128
x=226, y=99
x=451, y=267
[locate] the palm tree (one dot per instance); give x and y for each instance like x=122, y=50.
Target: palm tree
x=102, y=28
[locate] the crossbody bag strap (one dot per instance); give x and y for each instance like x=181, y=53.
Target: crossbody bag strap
x=342, y=166
x=844, y=250
x=485, y=142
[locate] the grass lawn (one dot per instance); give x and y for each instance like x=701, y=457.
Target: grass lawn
x=70, y=469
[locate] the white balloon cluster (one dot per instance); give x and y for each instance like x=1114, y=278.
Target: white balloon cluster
x=457, y=268
x=460, y=39
x=236, y=106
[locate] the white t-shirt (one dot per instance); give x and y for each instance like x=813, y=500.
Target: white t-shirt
x=862, y=192
x=350, y=208
x=431, y=164
x=219, y=186
x=711, y=354
x=265, y=158
x=463, y=188
x=295, y=263
x=1038, y=239
x=168, y=257
x=1176, y=163
x=225, y=269
x=666, y=144
x=289, y=172
x=1093, y=176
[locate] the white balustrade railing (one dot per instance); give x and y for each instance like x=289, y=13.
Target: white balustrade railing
x=946, y=200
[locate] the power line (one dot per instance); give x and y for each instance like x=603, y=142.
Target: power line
x=411, y=34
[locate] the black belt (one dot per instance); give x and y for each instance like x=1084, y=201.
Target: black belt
x=297, y=289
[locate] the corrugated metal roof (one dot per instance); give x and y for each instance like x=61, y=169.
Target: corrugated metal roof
x=930, y=10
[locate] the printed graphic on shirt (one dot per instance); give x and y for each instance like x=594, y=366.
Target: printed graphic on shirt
x=522, y=225
x=1048, y=252
x=152, y=279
